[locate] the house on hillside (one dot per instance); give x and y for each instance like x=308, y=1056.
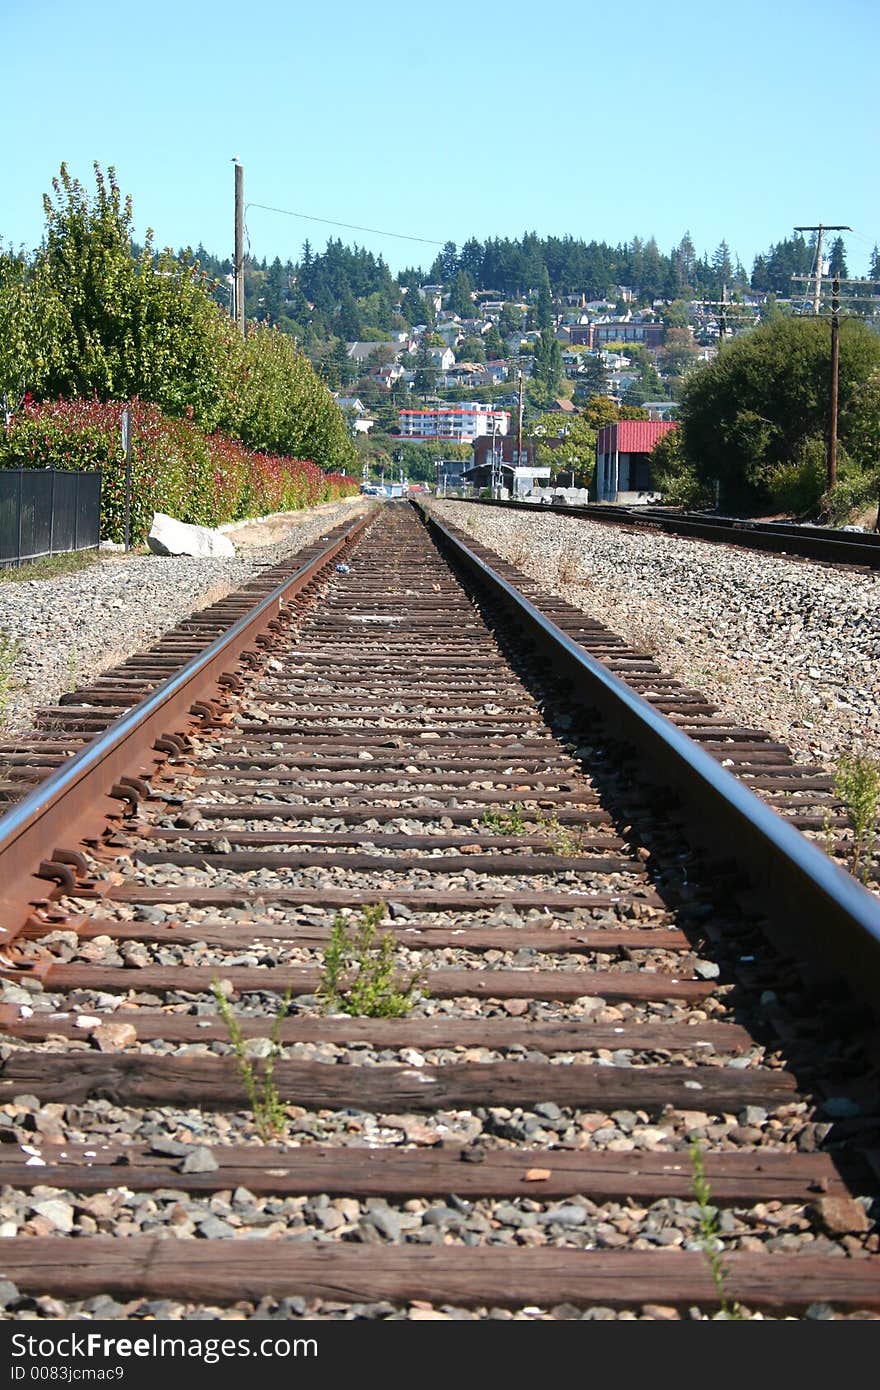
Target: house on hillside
x=449, y=332
x=659, y=410
x=649, y=335
x=623, y=468
x=442, y=358
x=362, y=352
x=355, y=412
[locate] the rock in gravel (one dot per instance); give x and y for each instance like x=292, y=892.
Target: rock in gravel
x=57, y=1212
x=385, y=1221
x=168, y=536
x=199, y=1160
x=8, y=1293
x=568, y=1215
x=707, y=970
x=212, y=1228
x=840, y=1216
x=114, y=1037
x=173, y=1148
x=399, y=912
x=145, y=912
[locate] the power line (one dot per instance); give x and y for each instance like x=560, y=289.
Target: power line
x=349, y=226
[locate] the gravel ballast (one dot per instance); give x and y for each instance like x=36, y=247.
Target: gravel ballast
x=69, y=629
x=786, y=645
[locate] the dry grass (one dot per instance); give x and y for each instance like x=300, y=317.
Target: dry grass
x=51, y=566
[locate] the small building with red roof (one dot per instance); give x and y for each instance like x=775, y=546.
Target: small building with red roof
x=623, y=468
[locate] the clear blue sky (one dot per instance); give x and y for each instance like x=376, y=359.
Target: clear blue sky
x=602, y=121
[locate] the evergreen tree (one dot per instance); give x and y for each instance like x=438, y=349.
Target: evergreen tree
x=544, y=307
x=837, y=259
x=722, y=267
x=426, y=373
x=548, y=364
x=348, y=319
x=413, y=307
x=460, y=301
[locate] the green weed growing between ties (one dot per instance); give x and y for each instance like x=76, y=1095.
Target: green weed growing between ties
x=710, y=1231
x=857, y=784
x=268, y=1109
x=374, y=991
x=562, y=839
x=8, y=656
x=505, y=822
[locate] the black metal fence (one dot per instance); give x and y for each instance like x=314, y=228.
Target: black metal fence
x=47, y=511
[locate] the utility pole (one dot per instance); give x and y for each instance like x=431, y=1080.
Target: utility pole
x=238, y=268
x=820, y=228
x=835, y=372
x=519, y=420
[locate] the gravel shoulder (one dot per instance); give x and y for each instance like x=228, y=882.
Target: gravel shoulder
x=787, y=645
x=69, y=629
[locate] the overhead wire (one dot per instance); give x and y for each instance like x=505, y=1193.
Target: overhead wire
x=348, y=226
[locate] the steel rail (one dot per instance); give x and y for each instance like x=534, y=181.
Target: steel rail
x=75, y=802
x=815, y=543
x=815, y=909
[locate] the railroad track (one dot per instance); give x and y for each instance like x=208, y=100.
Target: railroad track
x=826, y=544
x=420, y=738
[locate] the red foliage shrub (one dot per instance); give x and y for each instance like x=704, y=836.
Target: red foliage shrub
x=176, y=468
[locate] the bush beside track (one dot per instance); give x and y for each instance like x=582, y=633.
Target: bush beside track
x=177, y=468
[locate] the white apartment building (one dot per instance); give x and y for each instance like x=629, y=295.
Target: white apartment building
x=459, y=424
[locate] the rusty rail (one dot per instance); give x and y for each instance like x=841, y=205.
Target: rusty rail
x=76, y=801
x=817, y=908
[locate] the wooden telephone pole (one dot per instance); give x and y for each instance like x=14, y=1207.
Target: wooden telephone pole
x=835, y=375
x=519, y=421
x=820, y=228
x=238, y=267
x=831, y=451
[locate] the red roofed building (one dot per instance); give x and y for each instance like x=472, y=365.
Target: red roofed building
x=623, y=472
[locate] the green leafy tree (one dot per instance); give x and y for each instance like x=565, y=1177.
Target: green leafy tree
x=679, y=353
x=592, y=377
x=471, y=349
x=752, y=410
x=278, y=404
x=675, y=315
x=601, y=411
x=117, y=325
x=576, y=456
x=20, y=331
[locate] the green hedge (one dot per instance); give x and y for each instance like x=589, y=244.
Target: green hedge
x=206, y=479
